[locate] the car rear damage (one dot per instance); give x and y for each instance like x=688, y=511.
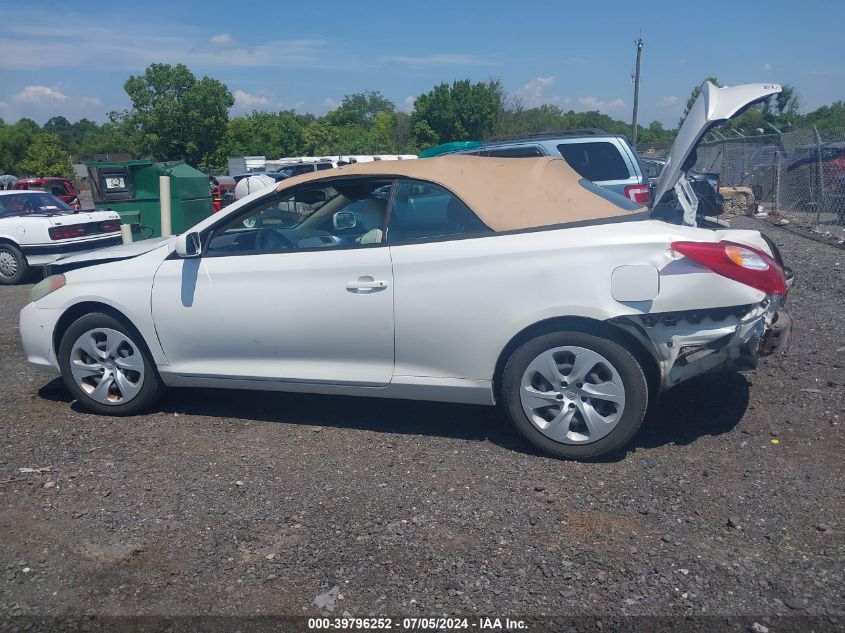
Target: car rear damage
x=689, y=343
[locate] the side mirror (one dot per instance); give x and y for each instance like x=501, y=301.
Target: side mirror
x=344, y=220
x=188, y=245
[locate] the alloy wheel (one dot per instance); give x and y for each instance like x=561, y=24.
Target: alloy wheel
x=107, y=366
x=572, y=395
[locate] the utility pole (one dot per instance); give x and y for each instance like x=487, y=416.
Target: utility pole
x=639, y=44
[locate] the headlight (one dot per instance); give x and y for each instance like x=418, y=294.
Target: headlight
x=46, y=286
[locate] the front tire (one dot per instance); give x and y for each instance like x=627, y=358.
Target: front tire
x=574, y=395
x=107, y=367
x=13, y=265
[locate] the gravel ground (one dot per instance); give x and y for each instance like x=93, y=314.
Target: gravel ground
x=730, y=501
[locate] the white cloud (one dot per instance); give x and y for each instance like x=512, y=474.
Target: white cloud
x=594, y=103
x=41, y=102
x=35, y=43
x=767, y=67
x=668, y=101
x=330, y=103
x=39, y=94
x=534, y=93
x=245, y=100
x=408, y=103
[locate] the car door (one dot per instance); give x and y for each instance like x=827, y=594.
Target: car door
x=310, y=302
x=442, y=274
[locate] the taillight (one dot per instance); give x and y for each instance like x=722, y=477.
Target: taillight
x=741, y=263
x=67, y=232
x=109, y=226
x=641, y=194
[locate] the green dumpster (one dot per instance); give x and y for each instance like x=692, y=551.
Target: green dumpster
x=132, y=189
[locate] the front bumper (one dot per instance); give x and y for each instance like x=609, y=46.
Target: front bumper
x=37, y=326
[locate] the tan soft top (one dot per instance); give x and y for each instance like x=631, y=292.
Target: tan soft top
x=506, y=193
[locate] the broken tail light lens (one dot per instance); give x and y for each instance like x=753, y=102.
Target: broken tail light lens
x=741, y=263
x=641, y=194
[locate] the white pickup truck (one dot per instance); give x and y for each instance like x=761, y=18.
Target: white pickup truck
x=37, y=228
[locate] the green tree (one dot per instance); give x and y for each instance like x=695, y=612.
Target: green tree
x=383, y=133
x=177, y=116
x=63, y=129
x=827, y=116
x=655, y=136
x=460, y=112
x=402, y=137
x=46, y=157
x=319, y=138
x=267, y=134
x=15, y=140
x=360, y=109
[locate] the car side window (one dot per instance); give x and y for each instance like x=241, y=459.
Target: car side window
x=328, y=214
x=515, y=152
x=423, y=210
x=596, y=160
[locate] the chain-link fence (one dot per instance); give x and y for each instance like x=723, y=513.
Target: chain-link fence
x=797, y=178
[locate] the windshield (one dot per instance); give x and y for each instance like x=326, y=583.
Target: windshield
x=32, y=203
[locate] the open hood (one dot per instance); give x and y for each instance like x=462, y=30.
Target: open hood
x=713, y=106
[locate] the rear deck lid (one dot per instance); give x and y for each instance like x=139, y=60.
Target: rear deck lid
x=713, y=106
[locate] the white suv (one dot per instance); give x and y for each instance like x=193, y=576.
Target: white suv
x=606, y=159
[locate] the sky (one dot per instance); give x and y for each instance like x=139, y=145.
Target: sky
x=73, y=58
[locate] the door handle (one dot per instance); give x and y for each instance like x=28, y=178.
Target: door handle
x=366, y=284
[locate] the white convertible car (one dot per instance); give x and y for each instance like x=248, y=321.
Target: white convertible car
x=458, y=279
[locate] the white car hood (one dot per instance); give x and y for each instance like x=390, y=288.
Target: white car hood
x=713, y=106
x=112, y=253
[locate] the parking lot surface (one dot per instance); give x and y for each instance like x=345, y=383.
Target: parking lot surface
x=730, y=500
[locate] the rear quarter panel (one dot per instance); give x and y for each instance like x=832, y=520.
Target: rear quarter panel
x=23, y=230
x=459, y=302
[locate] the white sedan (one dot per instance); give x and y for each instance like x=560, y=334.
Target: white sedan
x=458, y=279
x=37, y=228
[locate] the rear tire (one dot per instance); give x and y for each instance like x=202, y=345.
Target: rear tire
x=13, y=265
x=106, y=365
x=574, y=395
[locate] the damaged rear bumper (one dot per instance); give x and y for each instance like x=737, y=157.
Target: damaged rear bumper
x=690, y=343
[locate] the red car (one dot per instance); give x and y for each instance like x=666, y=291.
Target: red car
x=222, y=191
x=62, y=188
